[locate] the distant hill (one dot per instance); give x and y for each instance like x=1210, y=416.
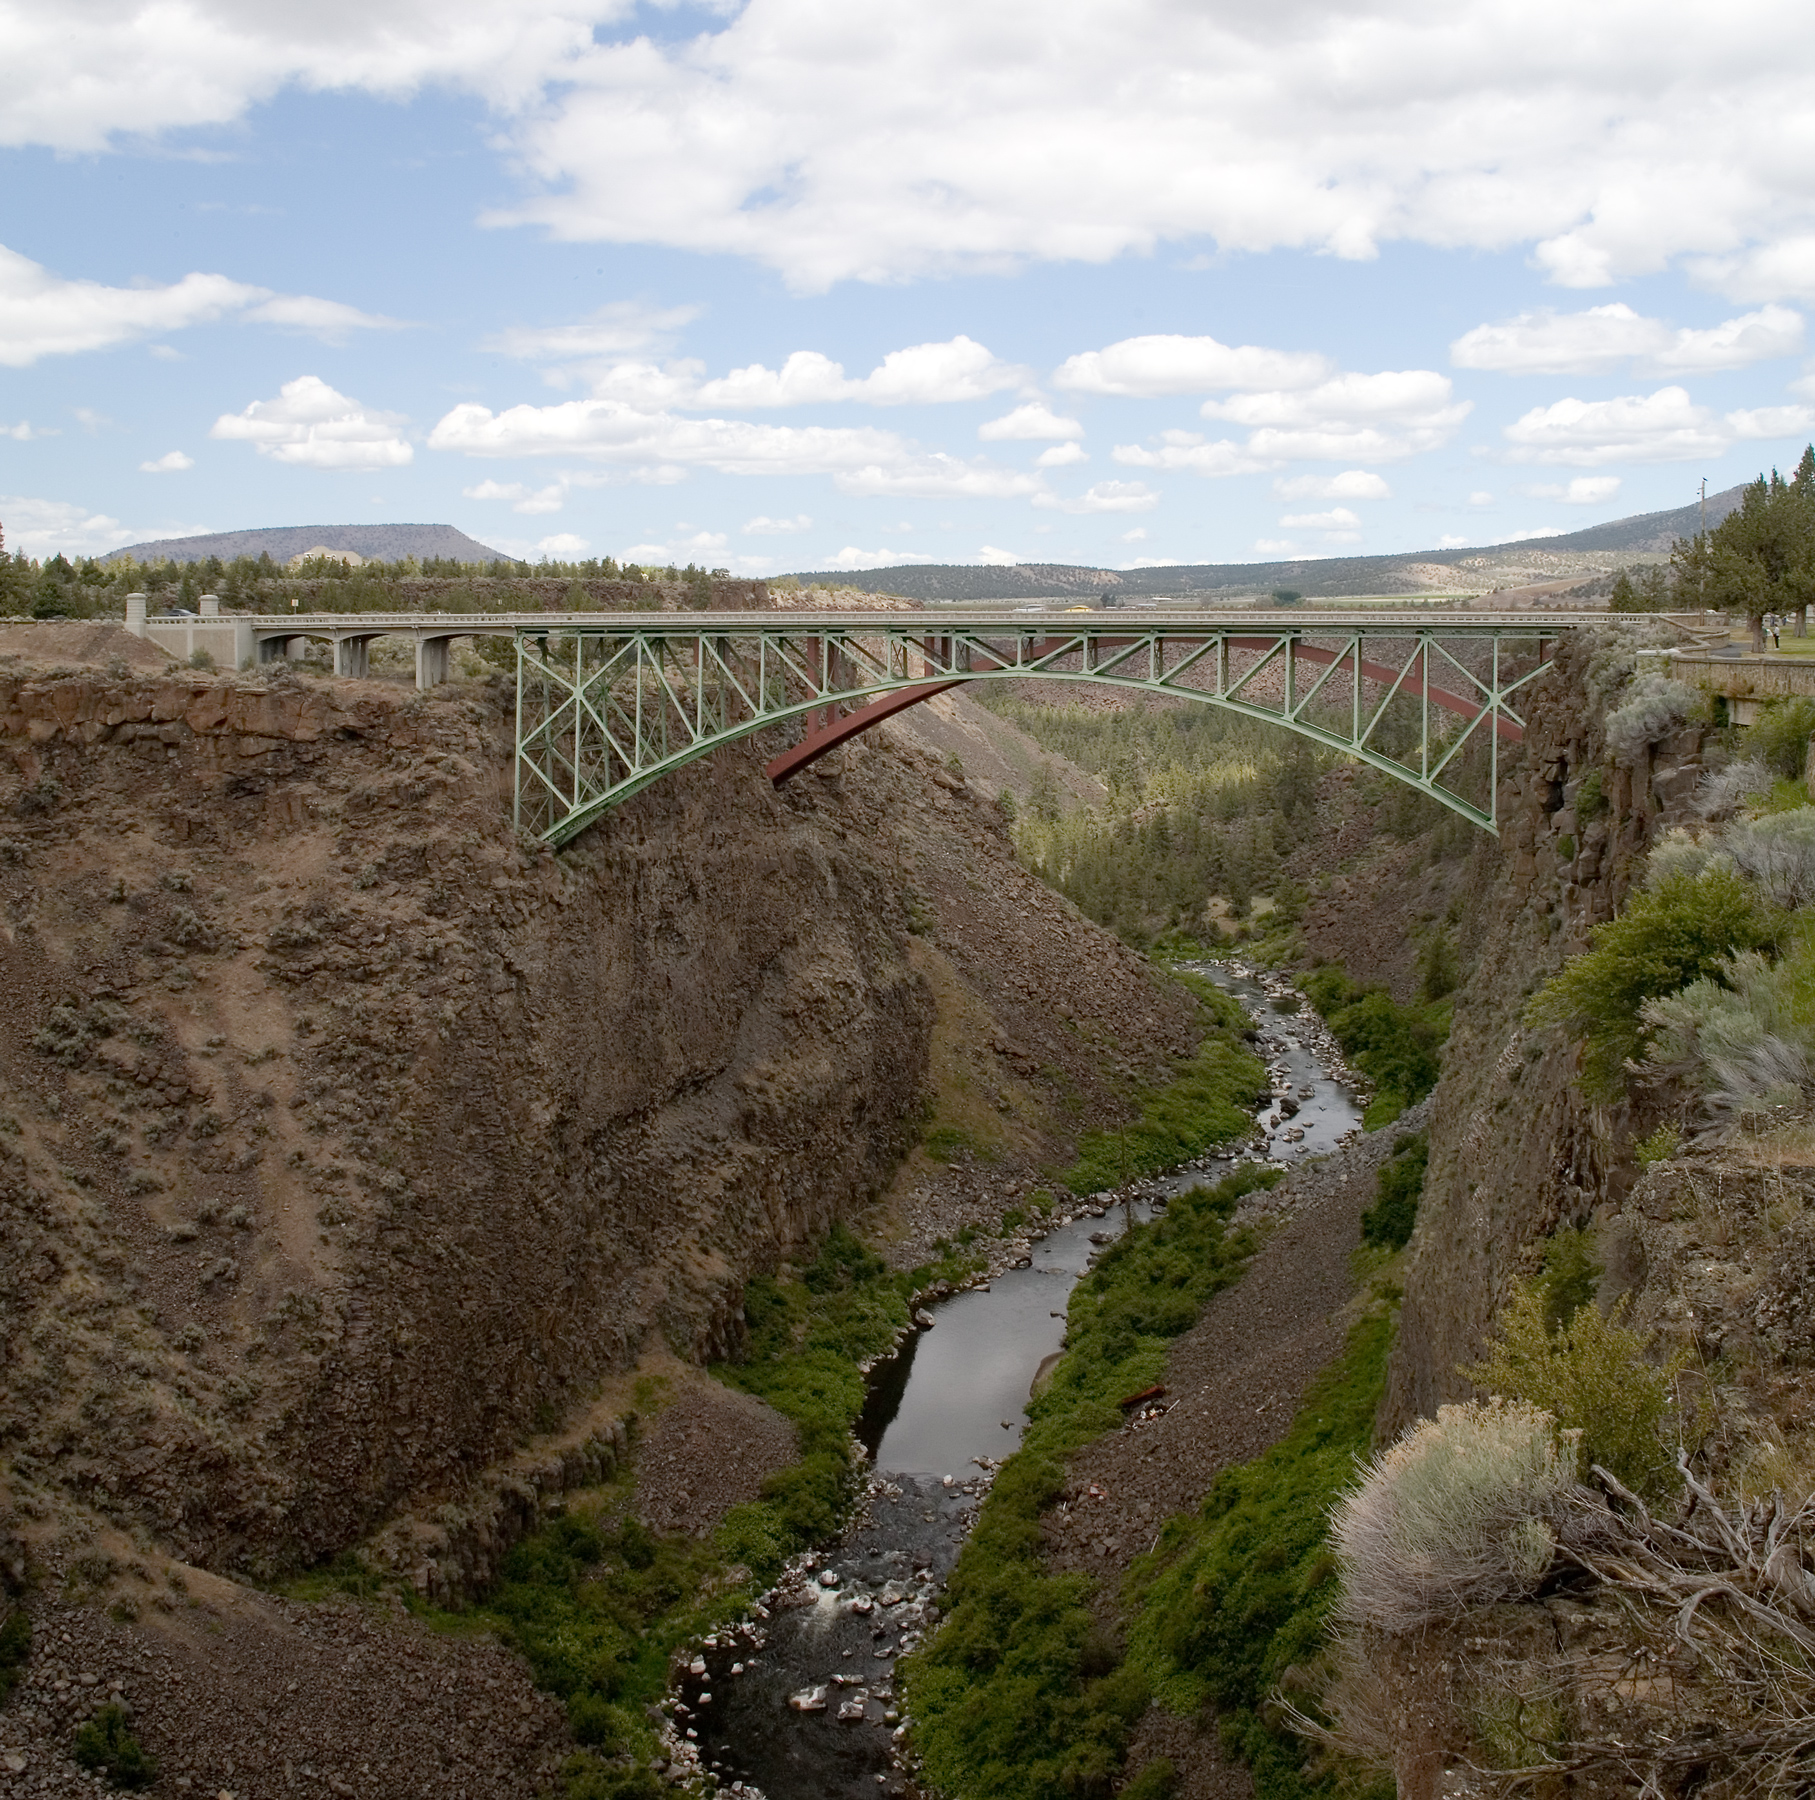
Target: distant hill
x=1409, y=572
x=1645, y=531
x=382, y=543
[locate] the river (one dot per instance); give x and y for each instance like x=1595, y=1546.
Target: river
x=798, y=1702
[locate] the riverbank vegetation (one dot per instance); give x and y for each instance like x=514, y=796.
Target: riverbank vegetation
x=1209, y=1101
x=1398, y=1047
x=598, y=1604
x=1237, y=1596
x=1020, y=1696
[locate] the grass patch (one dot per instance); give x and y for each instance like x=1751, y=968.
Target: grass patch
x=1235, y=1595
x=1397, y=1047
x=1018, y=1697
x=1208, y=1102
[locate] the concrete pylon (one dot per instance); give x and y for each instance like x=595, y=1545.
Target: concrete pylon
x=211, y=606
x=135, y=614
x=432, y=661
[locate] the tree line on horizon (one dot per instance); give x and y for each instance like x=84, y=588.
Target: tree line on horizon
x=90, y=587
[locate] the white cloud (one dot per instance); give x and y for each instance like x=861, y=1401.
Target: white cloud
x=1033, y=421
x=614, y=330
x=1532, y=531
x=43, y=528
x=938, y=476
x=1783, y=270
x=994, y=558
x=42, y=314
x=26, y=432
x=1146, y=367
x=860, y=459
x=930, y=138
x=850, y=557
x=1188, y=450
x=1105, y=497
x=1351, y=484
x=1359, y=418
x=1349, y=418
x=311, y=426
x=1604, y=337
x=1584, y=490
x=172, y=462
x=693, y=546
x=959, y=369
x=523, y=499
x=1137, y=536
x=1338, y=518
x=1061, y=456
x=763, y=526
x=1666, y=426
x=1480, y=497
x=1450, y=541
x=1276, y=546
x=563, y=546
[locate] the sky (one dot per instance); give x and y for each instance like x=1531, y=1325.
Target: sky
x=797, y=284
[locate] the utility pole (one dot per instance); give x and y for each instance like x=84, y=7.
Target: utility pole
x=1701, y=548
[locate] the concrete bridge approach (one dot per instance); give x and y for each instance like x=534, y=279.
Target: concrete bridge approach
x=607, y=703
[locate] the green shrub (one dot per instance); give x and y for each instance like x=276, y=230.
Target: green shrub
x=105, y=1745
x=15, y=1647
x=1663, y=1144
x=1239, y=1592
x=1018, y=1697
x=1388, y=1222
x=1571, y=1276
x=1668, y=936
x=1155, y=1782
x=1591, y=1375
x=1780, y=738
x=1396, y=1047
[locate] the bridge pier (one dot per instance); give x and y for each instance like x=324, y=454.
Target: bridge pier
x=353, y=657
x=433, y=660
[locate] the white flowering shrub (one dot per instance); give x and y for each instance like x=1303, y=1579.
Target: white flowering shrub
x=1652, y=708
x=1778, y=852
x=1457, y=1514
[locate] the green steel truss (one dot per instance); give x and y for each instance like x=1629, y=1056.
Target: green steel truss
x=607, y=705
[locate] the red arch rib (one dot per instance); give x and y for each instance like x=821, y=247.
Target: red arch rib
x=841, y=727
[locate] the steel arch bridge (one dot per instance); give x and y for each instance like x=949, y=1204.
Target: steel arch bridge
x=608, y=704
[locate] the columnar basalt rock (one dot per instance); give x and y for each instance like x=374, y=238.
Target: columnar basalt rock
x=1516, y=1149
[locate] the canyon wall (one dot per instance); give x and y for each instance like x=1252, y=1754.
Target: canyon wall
x=346, y=1140
x=1516, y=1150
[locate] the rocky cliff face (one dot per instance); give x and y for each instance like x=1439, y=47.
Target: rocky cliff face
x=1515, y=1149
x=345, y=1140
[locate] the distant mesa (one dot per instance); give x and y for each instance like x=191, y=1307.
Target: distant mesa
x=288, y=544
